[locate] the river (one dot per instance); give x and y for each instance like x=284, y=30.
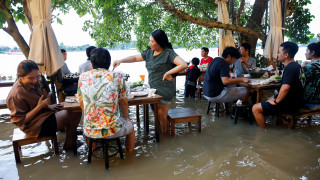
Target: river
x=221, y=151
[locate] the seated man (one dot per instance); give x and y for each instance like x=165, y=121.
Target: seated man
x=103, y=98
x=64, y=69
x=86, y=66
x=290, y=94
x=217, y=79
x=206, y=60
x=241, y=65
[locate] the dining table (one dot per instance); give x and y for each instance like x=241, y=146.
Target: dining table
x=7, y=82
x=74, y=106
x=259, y=86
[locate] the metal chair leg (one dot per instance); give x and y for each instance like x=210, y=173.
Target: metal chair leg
x=106, y=154
x=120, y=148
x=90, y=150
x=208, y=109
x=217, y=109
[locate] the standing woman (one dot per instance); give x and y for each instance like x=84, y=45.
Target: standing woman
x=31, y=112
x=161, y=63
x=312, y=72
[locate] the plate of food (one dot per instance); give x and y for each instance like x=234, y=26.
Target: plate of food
x=254, y=83
x=139, y=94
x=138, y=83
x=137, y=89
x=71, y=99
x=275, y=79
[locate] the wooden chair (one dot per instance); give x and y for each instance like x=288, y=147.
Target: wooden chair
x=302, y=112
x=183, y=115
x=20, y=139
x=105, y=146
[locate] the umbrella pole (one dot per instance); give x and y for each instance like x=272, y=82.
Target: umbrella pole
x=53, y=90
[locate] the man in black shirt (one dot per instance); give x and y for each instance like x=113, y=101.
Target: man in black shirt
x=217, y=79
x=290, y=94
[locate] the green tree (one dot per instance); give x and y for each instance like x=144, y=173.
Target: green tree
x=12, y=11
x=188, y=23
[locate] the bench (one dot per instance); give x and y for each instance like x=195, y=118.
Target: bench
x=3, y=104
x=183, y=115
x=20, y=139
x=302, y=112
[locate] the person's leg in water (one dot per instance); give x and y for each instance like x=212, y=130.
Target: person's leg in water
x=70, y=120
x=258, y=115
x=192, y=91
x=186, y=90
x=130, y=141
x=163, y=116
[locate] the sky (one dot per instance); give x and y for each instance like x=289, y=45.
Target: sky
x=71, y=33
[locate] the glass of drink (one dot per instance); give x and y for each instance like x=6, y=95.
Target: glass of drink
x=142, y=78
x=233, y=75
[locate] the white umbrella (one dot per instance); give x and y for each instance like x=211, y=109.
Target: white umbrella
x=44, y=48
x=274, y=38
x=225, y=36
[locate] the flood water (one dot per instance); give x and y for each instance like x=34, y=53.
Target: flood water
x=222, y=150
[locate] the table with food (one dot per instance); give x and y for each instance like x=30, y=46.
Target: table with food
x=259, y=83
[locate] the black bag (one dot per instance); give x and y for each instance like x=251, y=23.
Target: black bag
x=70, y=84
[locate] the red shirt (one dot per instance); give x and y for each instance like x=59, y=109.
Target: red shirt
x=207, y=61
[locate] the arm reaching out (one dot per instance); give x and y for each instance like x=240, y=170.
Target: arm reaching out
x=135, y=58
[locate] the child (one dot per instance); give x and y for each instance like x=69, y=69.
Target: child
x=193, y=73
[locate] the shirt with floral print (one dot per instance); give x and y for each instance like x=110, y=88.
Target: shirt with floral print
x=100, y=91
x=312, y=86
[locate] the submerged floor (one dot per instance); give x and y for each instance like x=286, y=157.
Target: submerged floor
x=221, y=151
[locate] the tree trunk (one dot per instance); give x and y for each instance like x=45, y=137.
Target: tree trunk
x=13, y=31
x=255, y=22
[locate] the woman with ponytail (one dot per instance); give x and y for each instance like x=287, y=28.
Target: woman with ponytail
x=32, y=112
x=161, y=62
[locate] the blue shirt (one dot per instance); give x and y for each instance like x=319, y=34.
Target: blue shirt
x=239, y=68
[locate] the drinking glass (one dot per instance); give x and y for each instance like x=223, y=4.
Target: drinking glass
x=142, y=78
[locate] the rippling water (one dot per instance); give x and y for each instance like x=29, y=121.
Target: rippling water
x=221, y=151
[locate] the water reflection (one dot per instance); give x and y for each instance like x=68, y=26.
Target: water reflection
x=221, y=151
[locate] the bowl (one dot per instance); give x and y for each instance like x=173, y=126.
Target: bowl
x=256, y=73
x=151, y=91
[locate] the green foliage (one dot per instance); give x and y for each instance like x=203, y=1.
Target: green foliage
x=297, y=28
x=261, y=60
x=118, y=19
